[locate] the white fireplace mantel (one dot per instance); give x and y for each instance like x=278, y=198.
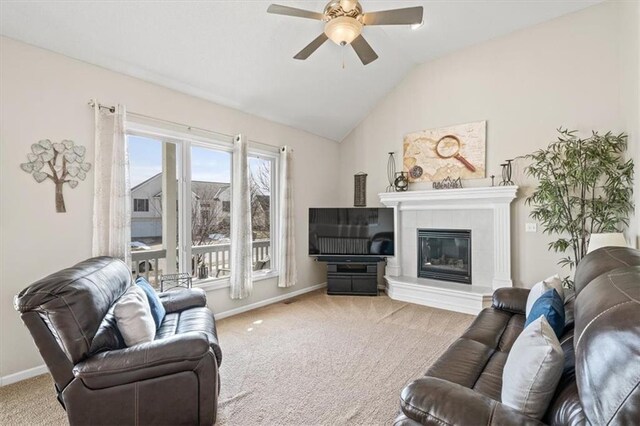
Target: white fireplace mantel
x=462, y=198
x=496, y=199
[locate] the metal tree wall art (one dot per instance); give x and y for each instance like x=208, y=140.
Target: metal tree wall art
x=61, y=162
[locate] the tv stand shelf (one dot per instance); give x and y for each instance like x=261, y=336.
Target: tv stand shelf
x=352, y=276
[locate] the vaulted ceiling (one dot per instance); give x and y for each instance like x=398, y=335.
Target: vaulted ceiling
x=235, y=54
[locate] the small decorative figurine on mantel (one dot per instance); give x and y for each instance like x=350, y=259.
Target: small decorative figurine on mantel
x=402, y=181
x=448, y=183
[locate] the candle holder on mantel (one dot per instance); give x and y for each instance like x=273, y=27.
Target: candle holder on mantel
x=391, y=173
x=507, y=172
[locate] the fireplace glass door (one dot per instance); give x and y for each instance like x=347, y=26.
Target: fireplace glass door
x=445, y=255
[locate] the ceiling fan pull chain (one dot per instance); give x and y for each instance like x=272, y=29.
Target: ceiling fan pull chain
x=343, y=67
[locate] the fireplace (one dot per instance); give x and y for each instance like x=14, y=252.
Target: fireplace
x=445, y=254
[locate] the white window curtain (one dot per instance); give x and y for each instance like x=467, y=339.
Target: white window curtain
x=112, y=188
x=288, y=274
x=241, y=244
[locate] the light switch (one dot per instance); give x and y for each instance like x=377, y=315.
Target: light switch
x=531, y=227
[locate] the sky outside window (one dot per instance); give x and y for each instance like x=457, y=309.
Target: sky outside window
x=145, y=159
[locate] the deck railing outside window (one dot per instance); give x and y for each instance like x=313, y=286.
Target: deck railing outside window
x=215, y=257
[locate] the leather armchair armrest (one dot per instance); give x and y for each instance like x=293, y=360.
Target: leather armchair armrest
x=179, y=300
x=511, y=299
x=432, y=401
x=182, y=352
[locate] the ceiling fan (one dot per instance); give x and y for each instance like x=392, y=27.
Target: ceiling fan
x=344, y=21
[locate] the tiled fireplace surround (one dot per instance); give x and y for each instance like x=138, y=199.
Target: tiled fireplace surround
x=484, y=211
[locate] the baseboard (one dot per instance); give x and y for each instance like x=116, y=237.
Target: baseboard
x=23, y=375
x=260, y=304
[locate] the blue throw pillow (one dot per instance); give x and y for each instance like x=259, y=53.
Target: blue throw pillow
x=157, y=309
x=550, y=306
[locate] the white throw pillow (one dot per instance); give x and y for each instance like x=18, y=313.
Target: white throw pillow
x=542, y=287
x=133, y=317
x=533, y=369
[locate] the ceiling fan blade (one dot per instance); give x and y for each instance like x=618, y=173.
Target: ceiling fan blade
x=364, y=50
x=407, y=16
x=292, y=11
x=311, y=47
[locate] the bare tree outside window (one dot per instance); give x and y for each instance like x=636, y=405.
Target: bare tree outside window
x=208, y=221
x=260, y=190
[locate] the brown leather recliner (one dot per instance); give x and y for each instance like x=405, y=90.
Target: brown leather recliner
x=172, y=380
x=600, y=384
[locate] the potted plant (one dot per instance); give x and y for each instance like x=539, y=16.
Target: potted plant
x=585, y=187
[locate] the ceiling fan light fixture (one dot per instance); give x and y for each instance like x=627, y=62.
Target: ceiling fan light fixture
x=343, y=30
x=348, y=5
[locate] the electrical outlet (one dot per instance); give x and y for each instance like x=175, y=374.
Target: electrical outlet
x=531, y=227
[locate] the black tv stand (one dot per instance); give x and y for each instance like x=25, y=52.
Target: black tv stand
x=352, y=276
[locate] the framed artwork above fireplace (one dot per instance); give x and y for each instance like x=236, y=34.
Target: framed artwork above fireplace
x=447, y=152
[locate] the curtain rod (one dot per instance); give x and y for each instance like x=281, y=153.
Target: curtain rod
x=92, y=103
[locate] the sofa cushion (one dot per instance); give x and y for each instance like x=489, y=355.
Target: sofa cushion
x=437, y=402
x=551, y=307
x=607, y=338
x=76, y=301
x=495, y=328
x=476, y=359
x=133, y=317
x=157, y=308
x=108, y=337
x=194, y=319
x=533, y=369
x=511, y=299
x=565, y=408
x=489, y=383
x=601, y=261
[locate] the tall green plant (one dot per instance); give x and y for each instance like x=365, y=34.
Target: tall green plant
x=585, y=187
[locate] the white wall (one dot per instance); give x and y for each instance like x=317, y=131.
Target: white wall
x=579, y=71
x=629, y=50
x=45, y=95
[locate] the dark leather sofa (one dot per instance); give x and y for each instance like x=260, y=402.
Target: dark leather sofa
x=172, y=380
x=600, y=384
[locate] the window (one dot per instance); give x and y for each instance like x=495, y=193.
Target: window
x=140, y=205
x=198, y=175
x=210, y=225
x=260, y=181
x=155, y=248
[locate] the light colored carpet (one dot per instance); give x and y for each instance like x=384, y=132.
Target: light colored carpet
x=319, y=360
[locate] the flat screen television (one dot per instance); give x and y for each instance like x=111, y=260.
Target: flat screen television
x=351, y=232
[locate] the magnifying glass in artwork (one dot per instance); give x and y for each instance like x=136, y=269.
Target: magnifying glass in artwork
x=449, y=147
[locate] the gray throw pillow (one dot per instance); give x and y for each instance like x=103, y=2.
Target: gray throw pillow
x=533, y=369
x=133, y=317
x=540, y=288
